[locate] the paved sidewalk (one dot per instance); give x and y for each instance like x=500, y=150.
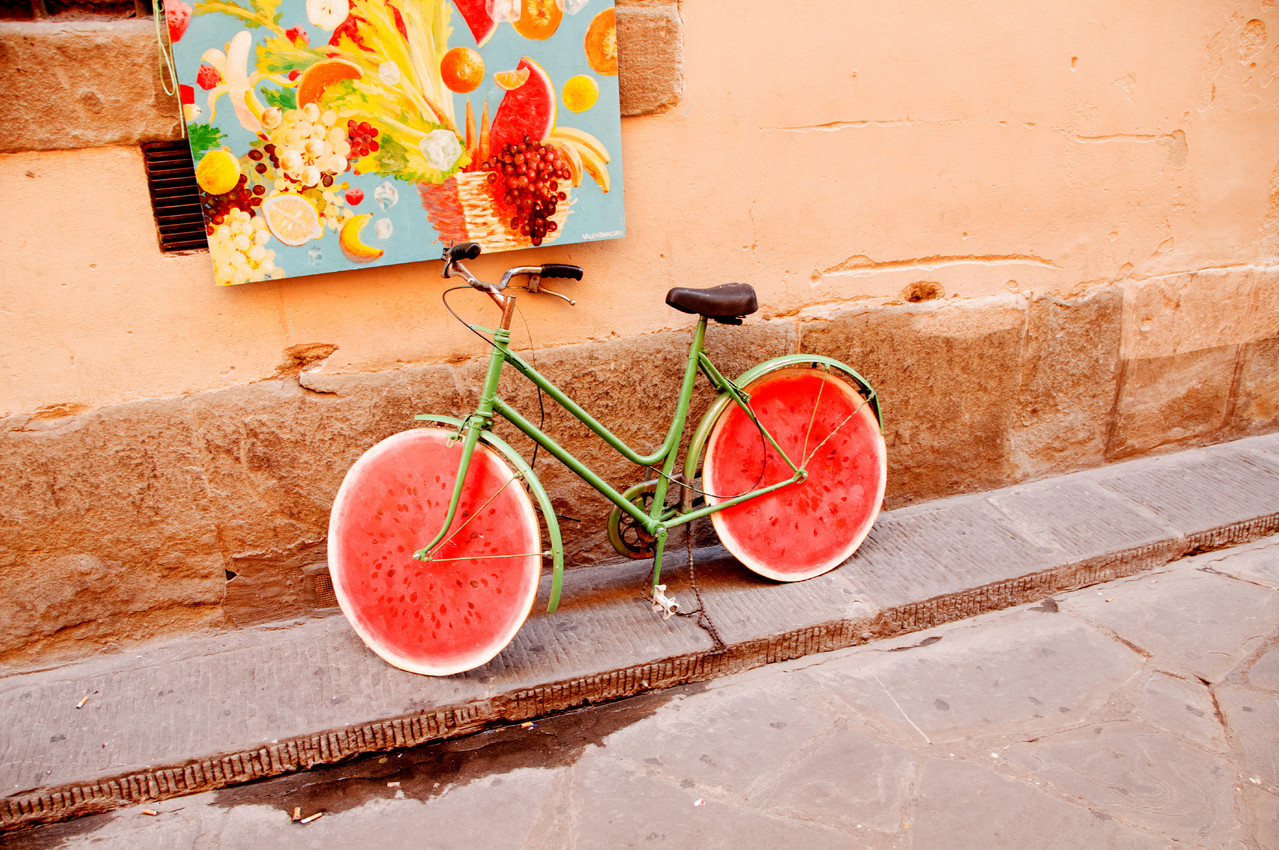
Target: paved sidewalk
x=202, y=714
x=1138, y=714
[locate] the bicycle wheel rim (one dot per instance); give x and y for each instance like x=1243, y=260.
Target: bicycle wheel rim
x=810, y=527
x=459, y=610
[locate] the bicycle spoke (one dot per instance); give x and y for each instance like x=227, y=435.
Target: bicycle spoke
x=490, y=557
x=475, y=513
x=835, y=431
x=817, y=402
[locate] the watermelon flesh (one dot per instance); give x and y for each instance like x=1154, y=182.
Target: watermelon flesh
x=479, y=19
x=528, y=110
x=459, y=610
x=812, y=526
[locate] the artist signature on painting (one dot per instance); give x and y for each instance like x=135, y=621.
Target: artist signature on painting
x=609, y=234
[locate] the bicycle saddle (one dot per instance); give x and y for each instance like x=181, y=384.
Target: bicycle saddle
x=726, y=303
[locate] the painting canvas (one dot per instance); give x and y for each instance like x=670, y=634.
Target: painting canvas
x=329, y=135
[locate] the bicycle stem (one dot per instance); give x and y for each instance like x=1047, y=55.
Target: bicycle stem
x=506, y=303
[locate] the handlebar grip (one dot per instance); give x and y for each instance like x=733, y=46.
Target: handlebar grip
x=561, y=270
x=463, y=251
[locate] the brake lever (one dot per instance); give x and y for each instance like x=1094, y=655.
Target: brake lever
x=535, y=285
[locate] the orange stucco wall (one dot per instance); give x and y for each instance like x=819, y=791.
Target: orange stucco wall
x=825, y=152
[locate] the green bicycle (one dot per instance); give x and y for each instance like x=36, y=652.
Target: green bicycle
x=435, y=548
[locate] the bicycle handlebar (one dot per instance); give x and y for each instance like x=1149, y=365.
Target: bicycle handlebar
x=454, y=254
x=561, y=270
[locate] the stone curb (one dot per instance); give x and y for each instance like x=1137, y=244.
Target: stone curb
x=924, y=566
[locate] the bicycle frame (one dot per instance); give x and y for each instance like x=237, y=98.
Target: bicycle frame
x=660, y=519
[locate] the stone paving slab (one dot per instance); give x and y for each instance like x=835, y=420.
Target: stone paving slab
x=1201, y=624
x=213, y=712
x=1155, y=781
x=954, y=738
x=961, y=800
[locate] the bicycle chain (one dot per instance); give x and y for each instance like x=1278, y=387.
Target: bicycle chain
x=700, y=616
x=703, y=616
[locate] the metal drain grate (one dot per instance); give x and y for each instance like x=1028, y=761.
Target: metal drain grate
x=175, y=197
x=318, y=585
x=325, y=597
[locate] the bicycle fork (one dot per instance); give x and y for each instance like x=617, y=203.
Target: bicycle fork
x=473, y=426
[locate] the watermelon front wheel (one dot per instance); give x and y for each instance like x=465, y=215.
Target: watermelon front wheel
x=825, y=426
x=458, y=610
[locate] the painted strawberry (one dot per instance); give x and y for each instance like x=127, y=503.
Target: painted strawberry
x=298, y=36
x=207, y=77
x=177, y=15
x=354, y=196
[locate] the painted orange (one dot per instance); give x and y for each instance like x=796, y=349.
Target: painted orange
x=600, y=43
x=539, y=19
x=318, y=77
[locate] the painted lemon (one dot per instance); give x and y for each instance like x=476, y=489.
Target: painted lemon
x=352, y=246
x=218, y=172
x=581, y=92
x=292, y=219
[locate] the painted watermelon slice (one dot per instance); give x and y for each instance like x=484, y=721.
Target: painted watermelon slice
x=479, y=19
x=460, y=609
x=525, y=111
x=812, y=526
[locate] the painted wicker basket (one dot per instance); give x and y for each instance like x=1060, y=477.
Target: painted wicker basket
x=466, y=208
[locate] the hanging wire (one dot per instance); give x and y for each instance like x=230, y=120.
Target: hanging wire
x=166, y=56
x=532, y=358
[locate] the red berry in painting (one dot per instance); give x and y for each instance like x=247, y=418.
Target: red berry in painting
x=297, y=35
x=354, y=196
x=207, y=77
x=177, y=15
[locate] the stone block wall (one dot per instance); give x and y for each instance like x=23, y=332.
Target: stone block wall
x=97, y=98
x=209, y=511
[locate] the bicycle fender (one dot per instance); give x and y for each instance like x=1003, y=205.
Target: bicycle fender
x=697, y=443
x=539, y=492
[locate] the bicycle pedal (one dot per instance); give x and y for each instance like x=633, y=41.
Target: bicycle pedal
x=663, y=604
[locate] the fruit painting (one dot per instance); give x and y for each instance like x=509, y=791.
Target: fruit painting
x=329, y=135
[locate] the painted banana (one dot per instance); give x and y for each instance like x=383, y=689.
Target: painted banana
x=586, y=153
x=583, y=139
x=596, y=167
x=570, y=153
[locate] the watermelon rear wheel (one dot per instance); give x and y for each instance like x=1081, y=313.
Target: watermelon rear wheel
x=826, y=427
x=461, y=608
